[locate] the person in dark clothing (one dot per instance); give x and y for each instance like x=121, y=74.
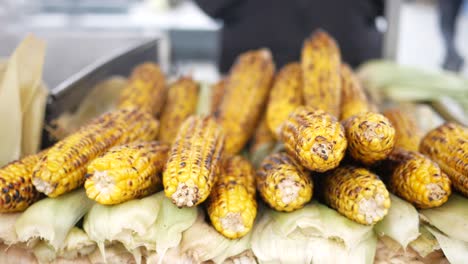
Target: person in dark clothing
x=449, y=10
x=282, y=26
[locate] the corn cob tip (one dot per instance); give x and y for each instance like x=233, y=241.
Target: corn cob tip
x=42, y=185
x=232, y=223
x=104, y=184
x=289, y=189
x=373, y=209
x=436, y=192
x=185, y=195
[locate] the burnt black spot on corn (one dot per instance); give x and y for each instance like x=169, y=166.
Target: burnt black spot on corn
x=17, y=191
x=194, y=161
x=63, y=167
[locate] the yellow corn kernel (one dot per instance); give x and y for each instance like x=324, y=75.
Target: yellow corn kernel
x=16, y=189
x=357, y=194
x=371, y=137
x=283, y=183
x=314, y=138
x=448, y=146
x=231, y=205
x=285, y=96
x=353, y=98
x=63, y=167
x=321, y=62
x=416, y=178
x=194, y=161
x=407, y=133
x=246, y=92
x=181, y=103
x=146, y=89
x=217, y=95
x=126, y=172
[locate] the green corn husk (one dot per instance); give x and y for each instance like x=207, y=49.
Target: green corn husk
x=51, y=219
x=313, y=234
x=401, y=223
x=426, y=243
x=7, y=228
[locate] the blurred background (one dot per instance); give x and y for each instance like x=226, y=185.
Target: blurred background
x=79, y=32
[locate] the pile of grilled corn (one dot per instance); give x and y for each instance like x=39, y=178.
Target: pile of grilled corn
x=331, y=146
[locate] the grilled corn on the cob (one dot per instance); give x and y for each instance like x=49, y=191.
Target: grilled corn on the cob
x=146, y=89
x=314, y=138
x=285, y=96
x=283, y=183
x=407, y=133
x=126, y=172
x=16, y=189
x=321, y=62
x=194, y=161
x=63, y=167
x=448, y=146
x=181, y=102
x=416, y=178
x=262, y=137
x=357, y=194
x=231, y=205
x=353, y=98
x=371, y=137
x=217, y=94
x=246, y=92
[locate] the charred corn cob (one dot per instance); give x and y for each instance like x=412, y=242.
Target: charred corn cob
x=371, y=137
x=314, y=138
x=353, y=98
x=126, y=172
x=17, y=191
x=146, y=89
x=246, y=92
x=63, y=167
x=448, y=146
x=285, y=96
x=194, y=161
x=320, y=61
x=231, y=205
x=357, y=194
x=407, y=133
x=217, y=95
x=416, y=178
x=283, y=183
x=181, y=102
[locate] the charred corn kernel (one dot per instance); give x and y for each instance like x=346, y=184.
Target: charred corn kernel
x=357, y=194
x=417, y=179
x=126, y=172
x=353, y=98
x=448, y=146
x=217, y=95
x=146, y=89
x=315, y=138
x=63, y=167
x=231, y=205
x=283, y=183
x=246, y=92
x=371, y=137
x=181, y=103
x=285, y=96
x=321, y=62
x=194, y=161
x=16, y=189
x=407, y=133
x=262, y=137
